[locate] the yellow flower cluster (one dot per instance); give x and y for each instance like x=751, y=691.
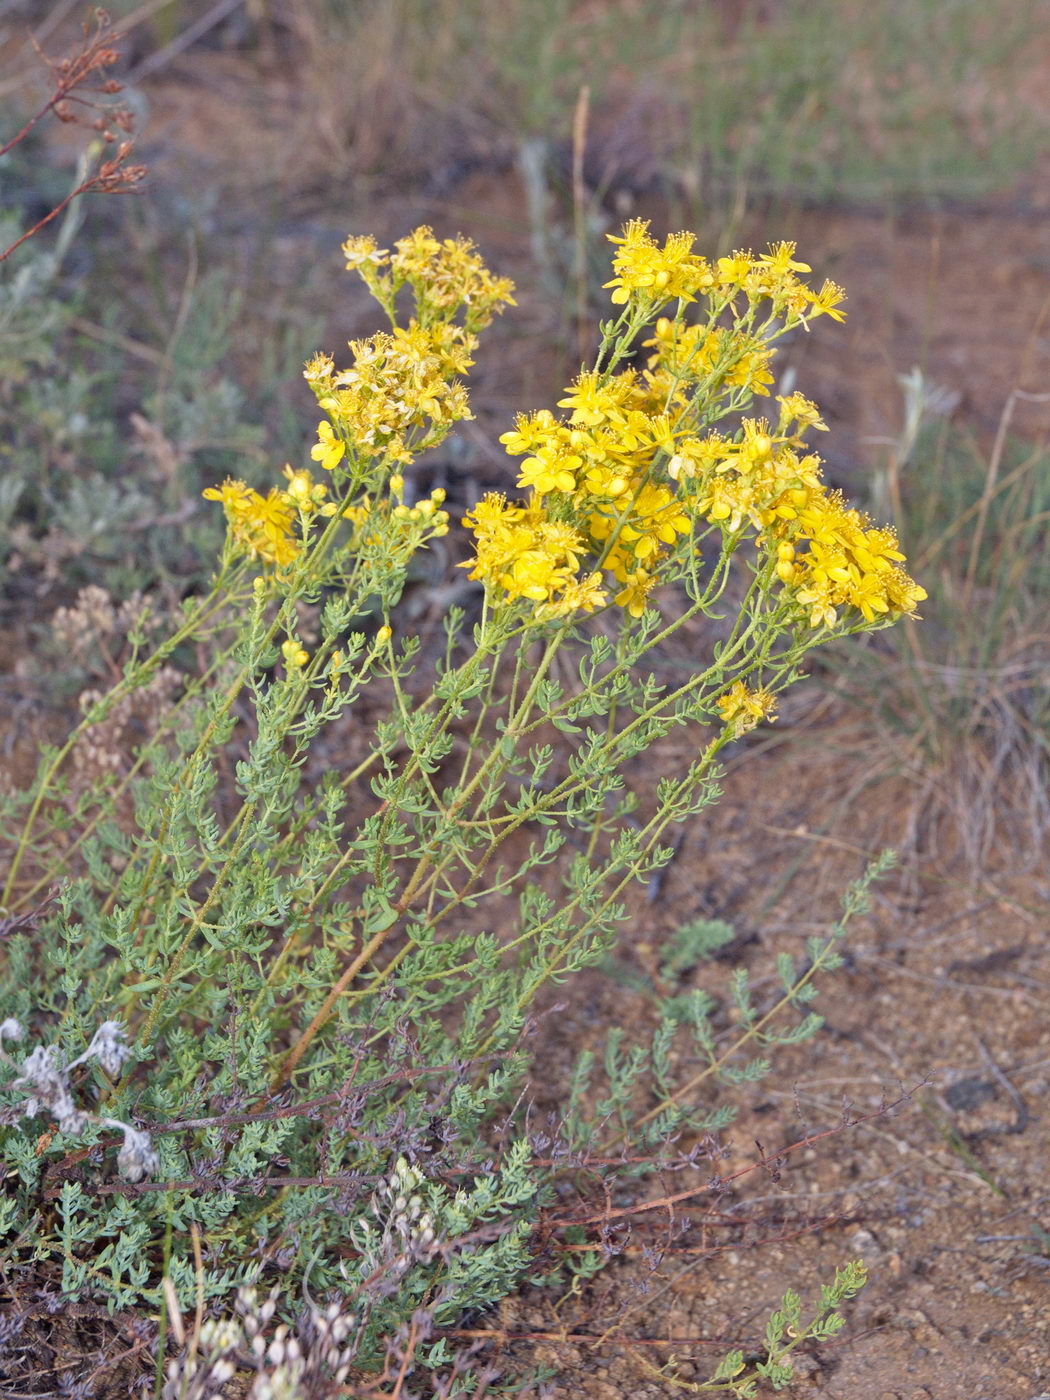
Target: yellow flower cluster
x=399, y=396
x=632, y=540
x=650, y=276
x=444, y=275
x=599, y=463
x=617, y=484
x=530, y=556
x=643, y=269
x=610, y=471
x=611, y=467
x=259, y=526
x=849, y=563
x=830, y=555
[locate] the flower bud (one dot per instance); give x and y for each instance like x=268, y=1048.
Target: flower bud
x=760, y=447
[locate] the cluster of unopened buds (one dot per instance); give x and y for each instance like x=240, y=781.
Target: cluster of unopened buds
x=406, y=1231
x=44, y=1082
x=288, y=1365
x=400, y=1210
x=428, y=508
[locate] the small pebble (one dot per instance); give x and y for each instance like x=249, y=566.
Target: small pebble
x=864, y=1244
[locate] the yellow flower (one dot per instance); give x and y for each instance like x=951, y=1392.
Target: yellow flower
x=319, y=369
x=606, y=479
x=660, y=514
x=826, y=301
x=534, y=574
x=742, y=708
x=593, y=402
x=779, y=260
x=364, y=252
x=259, y=526
x=329, y=450
x=818, y=597
x=531, y=430
x=696, y=456
x=797, y=409
x=234, y=495
x=579, y=595
x=634, y=594
x=727, y=499
x=550, y=470
x=415, y=252
x=294, y=656
x=733, y=271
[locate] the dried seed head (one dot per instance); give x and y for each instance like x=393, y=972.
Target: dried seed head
x=110, y=1048
x=138, y=1158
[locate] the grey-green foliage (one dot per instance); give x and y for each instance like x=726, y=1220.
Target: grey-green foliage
x=219, y=932
x=110, y=421
x=695, y=1043
x=786, y=1331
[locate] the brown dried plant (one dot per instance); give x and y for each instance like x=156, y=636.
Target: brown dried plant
x=79, y=83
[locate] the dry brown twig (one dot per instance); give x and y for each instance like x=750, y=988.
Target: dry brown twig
x=78, y=85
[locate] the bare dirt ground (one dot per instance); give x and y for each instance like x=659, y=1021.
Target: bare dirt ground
x=946, y=991
x=944, y=995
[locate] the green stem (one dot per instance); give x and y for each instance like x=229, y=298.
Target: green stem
x=176, y=962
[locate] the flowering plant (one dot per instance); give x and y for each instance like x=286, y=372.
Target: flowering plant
x=303, y=943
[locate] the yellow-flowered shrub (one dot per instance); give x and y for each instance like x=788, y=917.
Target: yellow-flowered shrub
x=304, y=944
